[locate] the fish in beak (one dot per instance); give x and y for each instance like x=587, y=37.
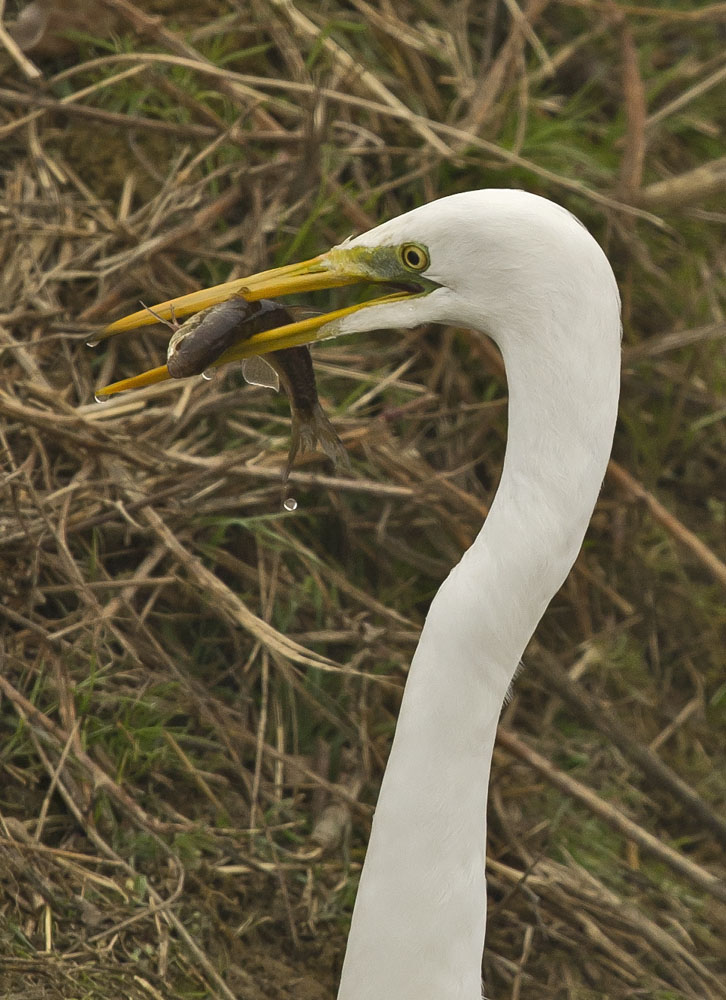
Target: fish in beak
x=396, y=266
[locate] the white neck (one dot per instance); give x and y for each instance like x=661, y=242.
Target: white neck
x=418, y=926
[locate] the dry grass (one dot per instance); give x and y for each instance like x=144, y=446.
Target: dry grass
x=197, y=690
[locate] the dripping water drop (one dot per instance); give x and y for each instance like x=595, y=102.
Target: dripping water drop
x=99, y=399
x=93, y=342
x=207, y=376
x=289, y=503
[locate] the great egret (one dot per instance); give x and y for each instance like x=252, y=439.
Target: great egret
x=527, y=273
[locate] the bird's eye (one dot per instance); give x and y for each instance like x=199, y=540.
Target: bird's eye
x=414, y=257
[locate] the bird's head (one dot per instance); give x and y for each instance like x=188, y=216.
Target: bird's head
x=467, y=259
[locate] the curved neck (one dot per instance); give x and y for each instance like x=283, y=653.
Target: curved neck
x=418, y=925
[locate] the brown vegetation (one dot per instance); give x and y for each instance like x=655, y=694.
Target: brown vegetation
x=198, y=689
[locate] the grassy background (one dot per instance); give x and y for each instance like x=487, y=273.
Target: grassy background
x=198, y=690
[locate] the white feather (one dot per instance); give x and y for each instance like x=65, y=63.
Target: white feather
x=525, y=271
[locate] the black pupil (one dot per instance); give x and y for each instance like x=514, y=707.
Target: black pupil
x=413, y=258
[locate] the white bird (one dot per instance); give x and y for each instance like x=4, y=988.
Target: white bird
x=527, y=273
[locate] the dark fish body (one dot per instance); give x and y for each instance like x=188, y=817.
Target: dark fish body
x=204, y=337
x=310, y=426
x=295, y=368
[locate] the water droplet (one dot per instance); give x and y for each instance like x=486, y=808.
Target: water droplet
x=207, y=376
x=93, y=342
x=99, y=399
x=289, y=503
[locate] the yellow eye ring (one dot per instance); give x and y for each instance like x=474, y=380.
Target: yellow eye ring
x=414, y=256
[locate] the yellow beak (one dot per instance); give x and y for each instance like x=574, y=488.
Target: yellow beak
x=340, y=266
